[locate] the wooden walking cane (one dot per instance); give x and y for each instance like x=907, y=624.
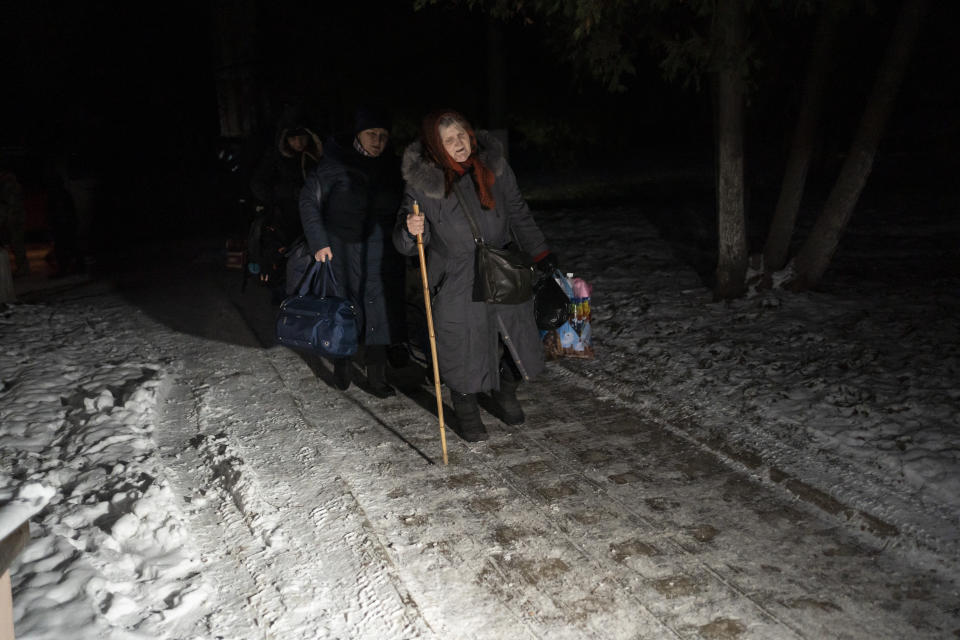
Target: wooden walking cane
x=433, y=336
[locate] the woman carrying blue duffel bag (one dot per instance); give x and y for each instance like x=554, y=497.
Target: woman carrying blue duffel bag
x=348, y=205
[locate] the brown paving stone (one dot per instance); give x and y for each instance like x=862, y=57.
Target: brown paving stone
x=505, y=446
x=627, y=477
x=627, y=425
x=661, y=443
x=595, y=456
x=485, y=505
x=592, y=517
x=632, y=548
x=703, y=532
x=676, y=586
x=506, y=535
x=463, y=480
x=557, y=491
x=566, y=438
x=585, y=608
x=535, y=570
x=848, y=550
x=722, y=629
x=699, y=465
x=660, y=503
x=811, y=604
x=530, y=469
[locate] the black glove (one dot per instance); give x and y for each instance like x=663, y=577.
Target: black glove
x=547, y=263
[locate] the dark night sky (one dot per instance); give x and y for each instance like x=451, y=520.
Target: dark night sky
x=136, y=80
x=105, y=67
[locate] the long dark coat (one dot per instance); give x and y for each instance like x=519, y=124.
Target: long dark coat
x=348, y=203
x=468, y=333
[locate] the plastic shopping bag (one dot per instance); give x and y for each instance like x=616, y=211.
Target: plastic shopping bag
x=573, y=338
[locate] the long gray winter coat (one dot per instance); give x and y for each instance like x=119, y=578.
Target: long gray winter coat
x=468, y=332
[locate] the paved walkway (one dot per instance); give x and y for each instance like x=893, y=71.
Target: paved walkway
x=589, y=521
x=323, y=513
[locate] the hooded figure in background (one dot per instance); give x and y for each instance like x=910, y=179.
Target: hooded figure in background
x=280, y=175
x=481, y=347
x=348, y=206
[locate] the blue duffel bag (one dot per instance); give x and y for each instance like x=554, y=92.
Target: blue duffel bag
x=326, y=325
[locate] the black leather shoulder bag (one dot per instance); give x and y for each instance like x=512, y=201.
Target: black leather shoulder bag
x=501, y=276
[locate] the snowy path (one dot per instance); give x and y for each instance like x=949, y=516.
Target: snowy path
x=326, y=515
x=266, y=502
x=208, y=488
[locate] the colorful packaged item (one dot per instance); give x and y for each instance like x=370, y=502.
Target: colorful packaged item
x=573, y=338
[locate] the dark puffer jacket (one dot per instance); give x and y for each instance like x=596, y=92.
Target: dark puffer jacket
x=277, y=180
x=348, y=203
x=468, y=332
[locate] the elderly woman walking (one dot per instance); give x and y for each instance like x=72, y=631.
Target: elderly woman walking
x=481, y=347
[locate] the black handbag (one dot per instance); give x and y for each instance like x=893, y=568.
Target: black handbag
x=500, y=276
x=321, y=324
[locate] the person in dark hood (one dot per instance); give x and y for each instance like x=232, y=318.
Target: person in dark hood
x=347, y=207
x=276, y=184
x=481, y=347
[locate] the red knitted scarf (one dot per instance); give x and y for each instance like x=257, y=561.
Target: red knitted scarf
x=483, y=177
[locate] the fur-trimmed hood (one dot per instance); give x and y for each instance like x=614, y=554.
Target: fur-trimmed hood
x=421, y=173
x=314, y=145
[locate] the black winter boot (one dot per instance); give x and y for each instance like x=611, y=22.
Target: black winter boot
x=468, y=417
x=376, y=358
x=341, y=373
x=397, y=356
x=505, y=403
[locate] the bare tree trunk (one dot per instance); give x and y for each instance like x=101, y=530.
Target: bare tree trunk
x=732, y=237
x=777, y=248
x=239, y=94
x=497, y=83
x=496, y=75
x=818, y=249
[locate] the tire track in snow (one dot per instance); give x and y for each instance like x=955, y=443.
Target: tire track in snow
x=314, y=570
x=217, y=525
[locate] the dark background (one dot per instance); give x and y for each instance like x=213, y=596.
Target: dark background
x=135, y=87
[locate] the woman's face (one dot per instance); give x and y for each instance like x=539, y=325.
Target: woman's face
x=297, y=143
x=374, y=141
x=456, y=142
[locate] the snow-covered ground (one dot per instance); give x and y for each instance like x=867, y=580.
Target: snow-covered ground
x=854, y=391
x=188, y=484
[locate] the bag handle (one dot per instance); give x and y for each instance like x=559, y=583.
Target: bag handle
x=473, y=223
x=308, y=280
x=466, y=210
